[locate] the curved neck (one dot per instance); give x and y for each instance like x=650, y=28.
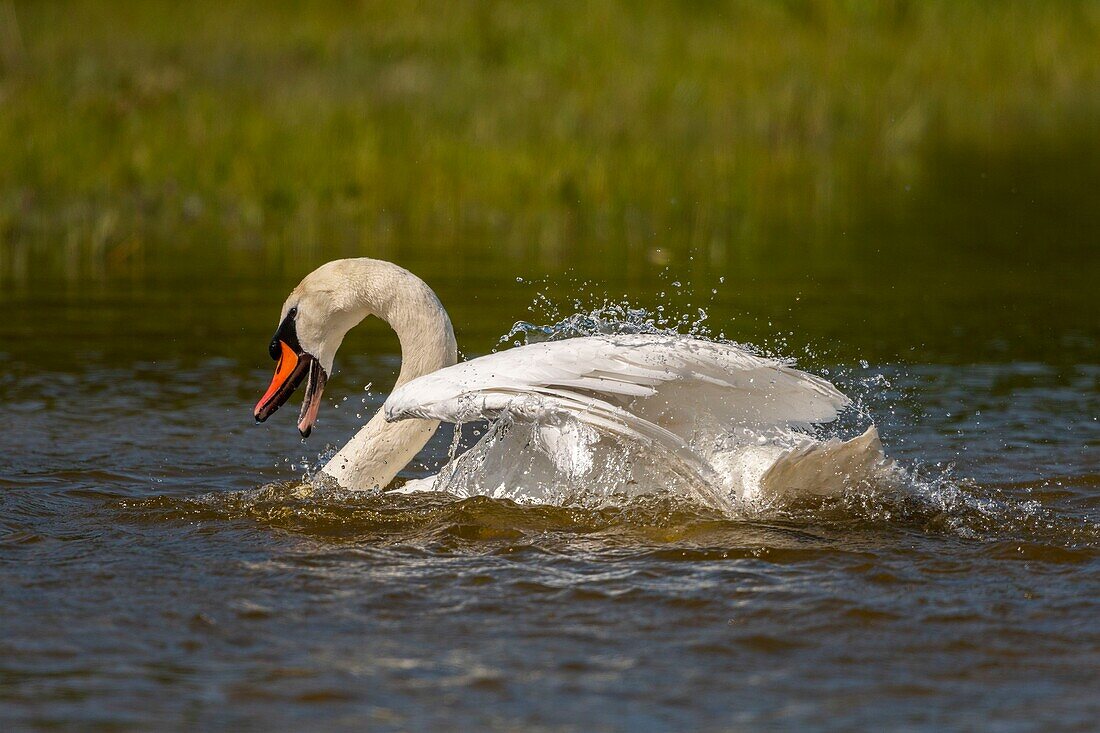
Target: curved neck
x=421, y=323
x=380, y=449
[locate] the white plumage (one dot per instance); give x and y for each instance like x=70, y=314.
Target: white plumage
x=691, y=398
x=726, y=423
x=670, y=380
x=669, y=389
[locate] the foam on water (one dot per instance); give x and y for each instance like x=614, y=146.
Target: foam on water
x=927, y=506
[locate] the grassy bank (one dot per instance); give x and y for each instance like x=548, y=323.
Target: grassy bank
x=611, y=136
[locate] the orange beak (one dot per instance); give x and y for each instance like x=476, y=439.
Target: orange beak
x=292, y=365
x=291, y=368
x=285, y=367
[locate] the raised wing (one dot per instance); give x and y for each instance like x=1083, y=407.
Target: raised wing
x=668, y=388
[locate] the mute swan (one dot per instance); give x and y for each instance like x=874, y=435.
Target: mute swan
x=734, y=423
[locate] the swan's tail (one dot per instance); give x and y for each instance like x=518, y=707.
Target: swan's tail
x=827, y=468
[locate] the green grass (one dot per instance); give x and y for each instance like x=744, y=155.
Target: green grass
x=264, y=137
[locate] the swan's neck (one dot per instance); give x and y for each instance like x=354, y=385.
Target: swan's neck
x=380, y=449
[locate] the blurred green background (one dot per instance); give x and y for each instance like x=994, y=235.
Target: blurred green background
x=938, y=150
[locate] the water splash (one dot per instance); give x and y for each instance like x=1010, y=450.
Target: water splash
x=516, y=463
x=564, y=462
x=600, y=316
x=942, y=508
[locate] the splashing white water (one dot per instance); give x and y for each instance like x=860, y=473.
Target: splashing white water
x=563, y=461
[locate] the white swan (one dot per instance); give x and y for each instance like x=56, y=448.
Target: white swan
x=722, y=422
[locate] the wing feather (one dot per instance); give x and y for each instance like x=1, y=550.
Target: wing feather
x=675, y=383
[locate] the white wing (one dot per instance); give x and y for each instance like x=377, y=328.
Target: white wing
x=666, y=388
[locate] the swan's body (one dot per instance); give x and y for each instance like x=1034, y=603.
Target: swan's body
x=730, y=423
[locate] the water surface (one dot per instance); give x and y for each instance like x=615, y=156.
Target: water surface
x=162, y=561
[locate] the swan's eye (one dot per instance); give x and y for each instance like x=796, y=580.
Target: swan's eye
x=286, y=333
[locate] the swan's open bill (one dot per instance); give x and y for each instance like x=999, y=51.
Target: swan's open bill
x=720, y=414
x=292, y=365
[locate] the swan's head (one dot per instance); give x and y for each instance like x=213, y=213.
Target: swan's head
x=312, y=325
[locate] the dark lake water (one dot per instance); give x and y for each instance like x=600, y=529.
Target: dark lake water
x=163, y=565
